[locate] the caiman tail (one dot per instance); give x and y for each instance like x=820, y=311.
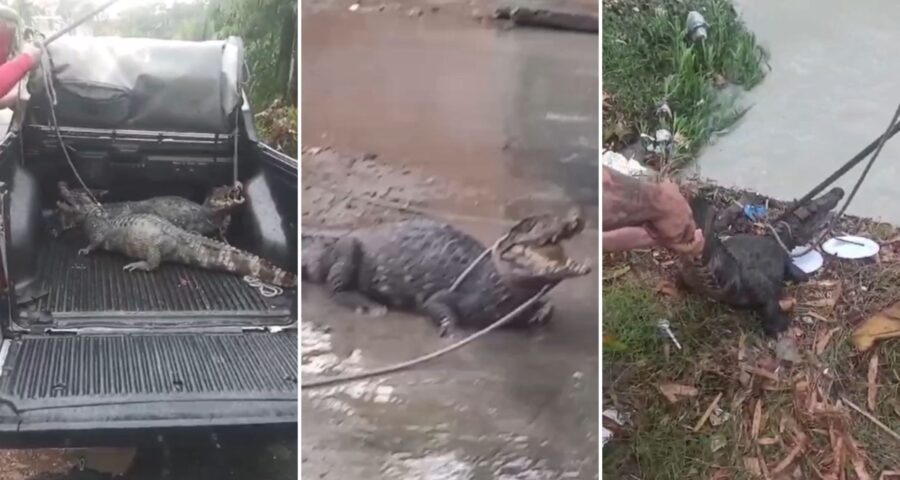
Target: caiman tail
x=804, y=223
x=211, y=254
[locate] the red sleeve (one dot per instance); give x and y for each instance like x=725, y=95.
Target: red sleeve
x=13, y=71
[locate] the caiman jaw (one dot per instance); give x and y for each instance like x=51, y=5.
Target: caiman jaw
x=227, y=197
x=533, y=249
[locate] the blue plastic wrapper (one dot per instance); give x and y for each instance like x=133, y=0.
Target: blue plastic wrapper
x=755, y=212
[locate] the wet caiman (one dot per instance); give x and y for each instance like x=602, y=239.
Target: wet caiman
x=750, y=271
x=211, y=218
x=412, y=264
x=151, y=240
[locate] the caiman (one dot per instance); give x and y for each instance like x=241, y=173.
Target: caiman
x=151, y=240
x=412, y=264
x=210, y=218
x=750, y=271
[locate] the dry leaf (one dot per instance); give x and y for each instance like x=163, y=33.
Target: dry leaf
x=822, y=342
x=837, y=445
x=752, y=464
x=882, y=325
x=766, y=441
x=757, y=420
x=760, y=372
x=872, y=380
x=720, y=474
x=673, y=390
x=717, y=442
x=789, y=459
x=666, y=288
x=817, y=316
x=859, y=467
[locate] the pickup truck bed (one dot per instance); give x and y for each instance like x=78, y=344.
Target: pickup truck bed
x=78, y=383
x=94, y=355
x=92, y=289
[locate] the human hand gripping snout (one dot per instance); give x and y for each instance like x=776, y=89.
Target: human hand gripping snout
x=673, y=225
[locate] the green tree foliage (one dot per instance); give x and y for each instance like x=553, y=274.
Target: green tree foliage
x=267, y=27
x=269, y=30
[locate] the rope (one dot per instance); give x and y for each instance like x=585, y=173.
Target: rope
x=881, y=141
x=431, y=356
x=51, y=101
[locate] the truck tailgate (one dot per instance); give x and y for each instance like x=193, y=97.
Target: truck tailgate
x=147, y=381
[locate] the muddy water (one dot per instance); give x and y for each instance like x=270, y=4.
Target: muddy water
x=451, y=107
x=504, y=109
x=833, y=89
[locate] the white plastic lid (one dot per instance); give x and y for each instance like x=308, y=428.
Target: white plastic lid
x=850, y=247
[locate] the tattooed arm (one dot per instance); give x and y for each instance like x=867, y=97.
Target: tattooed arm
x=627, y=201
x=657, y=208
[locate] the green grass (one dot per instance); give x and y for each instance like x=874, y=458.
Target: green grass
x=646, y=60
x=661, y=445
x=659, y=442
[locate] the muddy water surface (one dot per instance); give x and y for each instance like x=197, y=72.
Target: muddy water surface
x=833, y=89
x=452, y=108
x=503, y=109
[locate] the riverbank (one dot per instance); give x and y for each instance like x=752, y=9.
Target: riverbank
x=655, y=77
x=733, y=404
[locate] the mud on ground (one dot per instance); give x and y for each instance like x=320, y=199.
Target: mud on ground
x=513, y=405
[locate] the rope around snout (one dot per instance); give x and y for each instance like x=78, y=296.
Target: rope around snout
x=443, y=351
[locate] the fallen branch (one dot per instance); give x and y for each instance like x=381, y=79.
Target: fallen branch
x=708, y=412
x=872, y=419
x=757, y=418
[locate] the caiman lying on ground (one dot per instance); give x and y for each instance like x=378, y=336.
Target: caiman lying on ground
x=750, y=271
x=151, y=240
x=412, y=265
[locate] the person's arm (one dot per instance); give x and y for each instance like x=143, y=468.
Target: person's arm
x=627, y=238
x=9, y=100
x=627, y=201
x=658, y=207
x=13, y=71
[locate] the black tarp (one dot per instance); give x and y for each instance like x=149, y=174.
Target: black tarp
x=146, y=84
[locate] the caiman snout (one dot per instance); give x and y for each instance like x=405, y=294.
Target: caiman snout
x=533, y=248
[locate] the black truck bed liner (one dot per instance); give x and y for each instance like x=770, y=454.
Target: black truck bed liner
x=95, y=289
x=147, y=380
